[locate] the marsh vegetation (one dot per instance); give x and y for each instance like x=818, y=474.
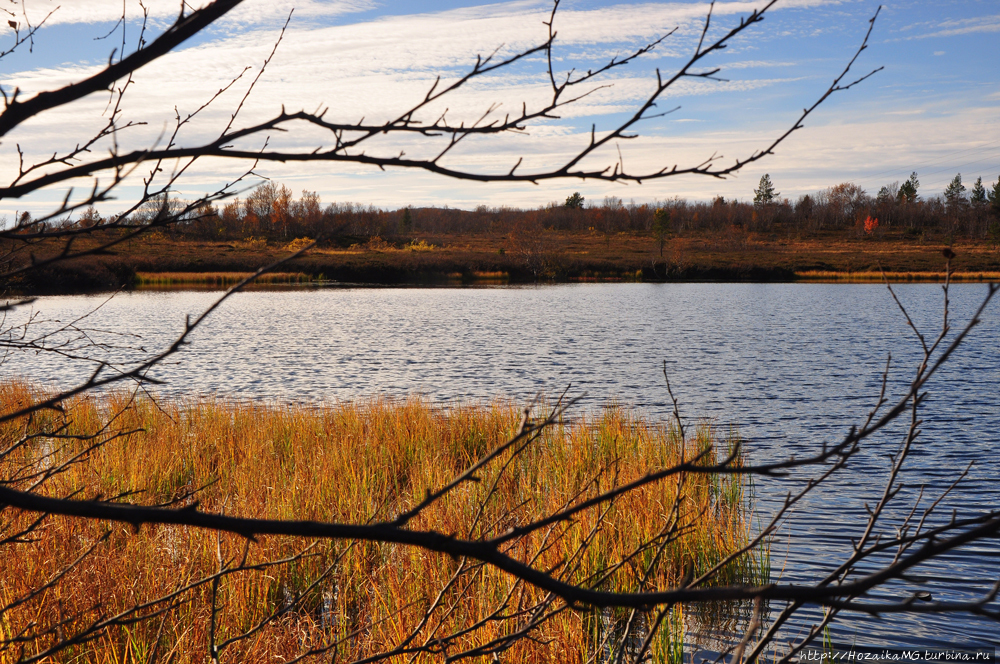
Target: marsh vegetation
x=350, y=462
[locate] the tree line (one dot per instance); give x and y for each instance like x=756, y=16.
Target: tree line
x=271, y=211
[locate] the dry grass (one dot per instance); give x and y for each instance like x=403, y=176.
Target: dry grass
x=299, y=243
x=348, y=462
x=419, y=245
x=872, y=275
x=161, y=279
x=251, y=243
x=547, y=255
x=377, y=244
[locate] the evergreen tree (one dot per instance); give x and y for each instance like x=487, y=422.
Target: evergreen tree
x=804, y=207
x=993, y=195
x=574, y=201
x=661, y=226
x=978, y=193
x=765, y=194
x=406, y=221
x=908, y=190
x=954, y=193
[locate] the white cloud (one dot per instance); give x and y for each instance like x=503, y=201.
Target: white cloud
x=250, y=11
x=957, y=27
x=867, y=147
x=379, y=68
x=967, y=30
x=755, y=64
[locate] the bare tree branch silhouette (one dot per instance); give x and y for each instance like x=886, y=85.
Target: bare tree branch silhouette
x=30, y=498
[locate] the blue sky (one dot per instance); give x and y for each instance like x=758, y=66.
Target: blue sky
x=935, y=107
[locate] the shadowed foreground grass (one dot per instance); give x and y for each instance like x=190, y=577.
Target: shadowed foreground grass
x=353, y=462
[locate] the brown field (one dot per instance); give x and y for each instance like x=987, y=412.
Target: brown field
x=162, y=260
x=356, y=463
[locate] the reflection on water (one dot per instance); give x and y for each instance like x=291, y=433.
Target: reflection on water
x=791, y=365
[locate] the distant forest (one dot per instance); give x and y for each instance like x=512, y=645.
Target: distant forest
x=272, y=212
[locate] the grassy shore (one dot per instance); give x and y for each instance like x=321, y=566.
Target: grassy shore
x=826, y=276
x=162, y=260
x=153, y=280
x=353, y=462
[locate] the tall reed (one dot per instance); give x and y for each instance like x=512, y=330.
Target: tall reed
x=353, y=462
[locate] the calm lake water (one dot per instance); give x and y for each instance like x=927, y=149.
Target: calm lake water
x=791, y=365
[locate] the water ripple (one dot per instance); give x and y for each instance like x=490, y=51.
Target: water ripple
x=791, y=365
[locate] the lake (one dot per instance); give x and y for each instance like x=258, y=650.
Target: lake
x=790, y=365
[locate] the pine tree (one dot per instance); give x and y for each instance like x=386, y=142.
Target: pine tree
x=764, y=194
x=406, y=221
x=993, y=195
x=661, y=226
x=908, y=190
x=954, y=193
x=978, y=193
x=574, y=201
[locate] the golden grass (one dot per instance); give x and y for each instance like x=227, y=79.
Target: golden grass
x=350, y=462
x=147, y=279
x=482, y=278
x=251, y=244
x=377, y=244
x=299, y=243
x=872, y=275
x=419, y=245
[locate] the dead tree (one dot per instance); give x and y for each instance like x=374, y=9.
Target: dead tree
x=27, y=501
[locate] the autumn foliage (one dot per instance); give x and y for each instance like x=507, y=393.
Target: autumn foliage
x=272, y=212
x=350, y=462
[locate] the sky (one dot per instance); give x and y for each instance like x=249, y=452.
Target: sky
x=934, y=108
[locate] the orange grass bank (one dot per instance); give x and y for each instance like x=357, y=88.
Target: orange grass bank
x=352, y=462
x=215, y=279
x=894, y=277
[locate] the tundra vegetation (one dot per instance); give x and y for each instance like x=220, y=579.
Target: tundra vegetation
x=134, y=530
x=841, y=232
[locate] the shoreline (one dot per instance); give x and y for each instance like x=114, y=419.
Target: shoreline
x=201, y=281
x=282, y=281
x=160, y=261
